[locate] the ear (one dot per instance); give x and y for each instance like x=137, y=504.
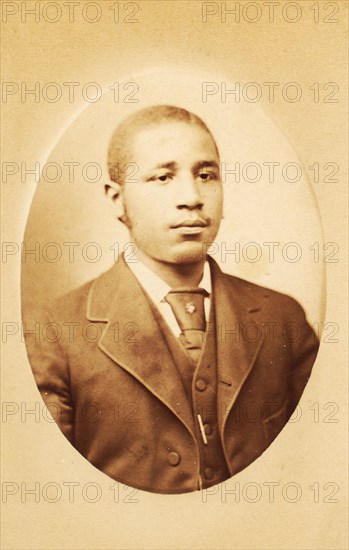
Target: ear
x=113, y=192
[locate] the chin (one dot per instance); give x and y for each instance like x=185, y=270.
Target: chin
x=187, y=253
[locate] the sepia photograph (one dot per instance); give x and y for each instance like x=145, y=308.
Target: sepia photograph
x=209, y=367
x=174, y=258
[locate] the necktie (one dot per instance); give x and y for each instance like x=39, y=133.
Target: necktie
x=188, y=307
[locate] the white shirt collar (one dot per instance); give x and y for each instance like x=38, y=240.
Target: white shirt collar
x=156, y=287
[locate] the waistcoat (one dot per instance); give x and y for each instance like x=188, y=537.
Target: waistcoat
x=201, y=390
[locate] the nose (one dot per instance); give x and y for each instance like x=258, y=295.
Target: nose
x=188, y=194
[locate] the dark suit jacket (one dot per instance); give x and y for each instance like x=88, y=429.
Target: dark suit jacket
x=107, y=376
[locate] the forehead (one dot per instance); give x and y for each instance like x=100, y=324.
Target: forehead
x=173, y=141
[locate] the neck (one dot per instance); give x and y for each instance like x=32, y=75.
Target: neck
x=175, y=275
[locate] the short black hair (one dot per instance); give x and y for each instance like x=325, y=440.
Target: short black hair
x=121, y=140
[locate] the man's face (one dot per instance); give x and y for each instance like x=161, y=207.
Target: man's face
x=174, y=208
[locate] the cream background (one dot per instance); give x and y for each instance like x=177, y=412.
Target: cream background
x=306, y=452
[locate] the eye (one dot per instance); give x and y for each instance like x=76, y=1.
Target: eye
x=207, y=176
x=163, y=178
x=204, y=176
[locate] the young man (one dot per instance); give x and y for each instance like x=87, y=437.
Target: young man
x=156, y=377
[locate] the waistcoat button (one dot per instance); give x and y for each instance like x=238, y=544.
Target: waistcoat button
x=174, y=458
x=208, y=429
x=200, y=384
x=208, y=473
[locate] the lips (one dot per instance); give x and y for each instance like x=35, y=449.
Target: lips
x=197, y=222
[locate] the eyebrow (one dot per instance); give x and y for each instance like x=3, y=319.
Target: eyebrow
x=206, y=164
x=172, y=165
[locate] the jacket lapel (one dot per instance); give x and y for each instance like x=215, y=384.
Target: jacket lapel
x=236, y=351
x=132, y=337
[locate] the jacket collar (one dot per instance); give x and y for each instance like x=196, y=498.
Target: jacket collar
x=235, y=308
x=133, y=339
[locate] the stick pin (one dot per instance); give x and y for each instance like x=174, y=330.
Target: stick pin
x=190, y=307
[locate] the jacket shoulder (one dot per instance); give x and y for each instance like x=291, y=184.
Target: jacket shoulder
x=76, y=302
x=271, y=299
x=70, y=305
